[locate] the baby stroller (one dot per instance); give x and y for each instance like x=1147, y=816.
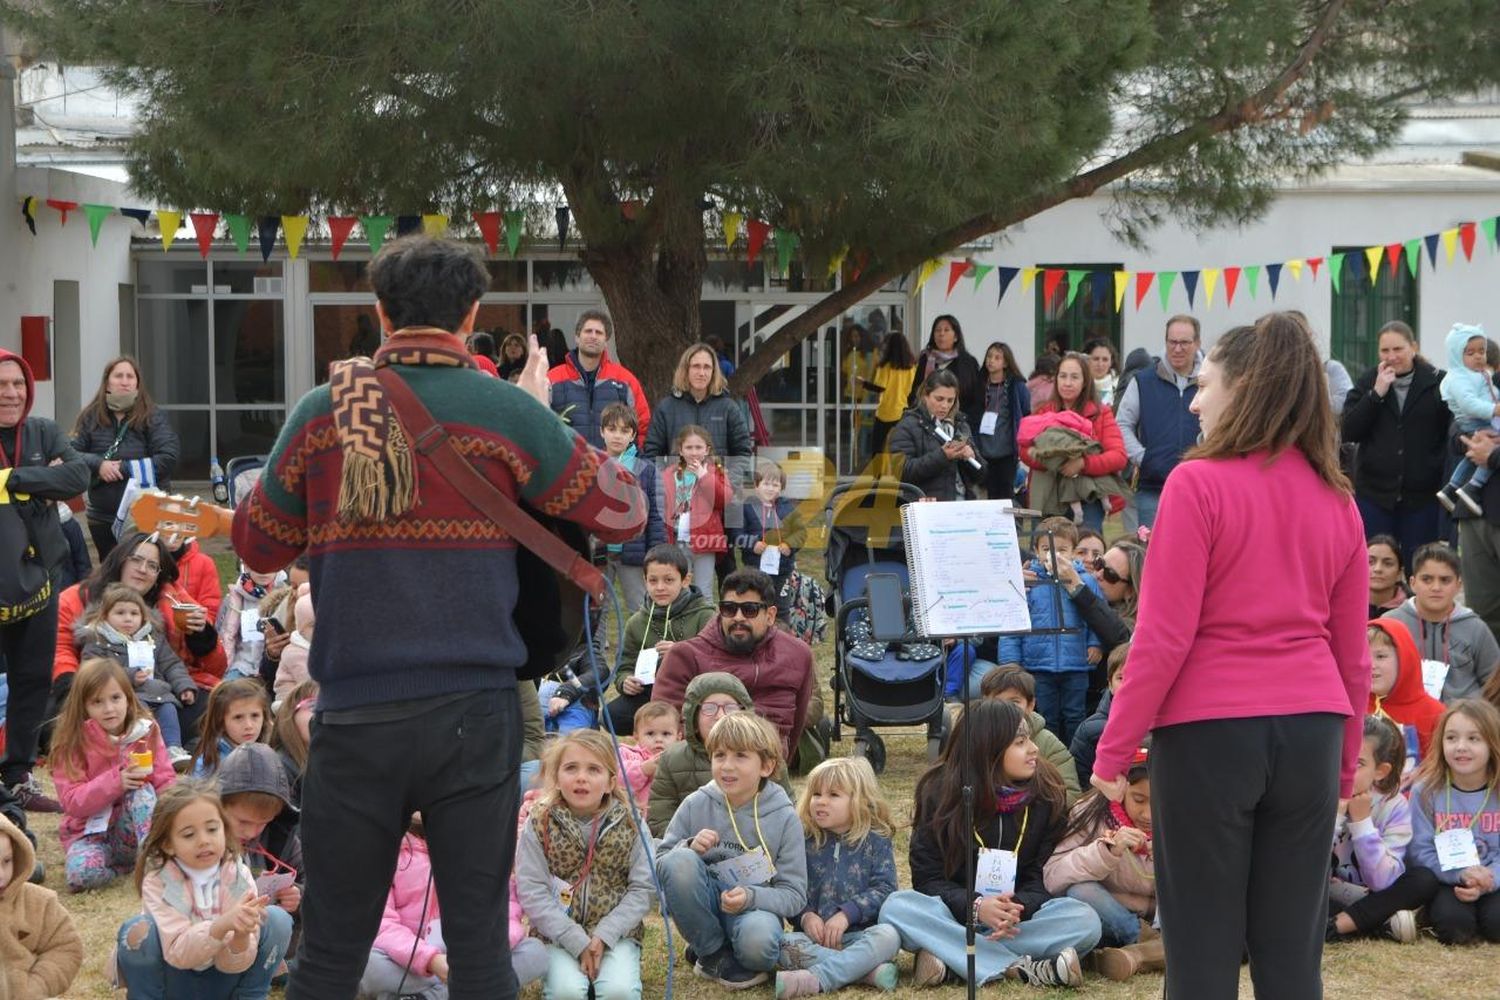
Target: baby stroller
x=241, y=474
x=876, y=683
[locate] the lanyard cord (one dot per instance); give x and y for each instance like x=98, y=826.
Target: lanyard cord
x=1448, y=806
x=1446, y=630
x=664, y=625
x=767, y=514
x=999, y=830
x=756, y=814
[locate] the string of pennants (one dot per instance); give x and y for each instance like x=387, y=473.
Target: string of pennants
x=1059, y=281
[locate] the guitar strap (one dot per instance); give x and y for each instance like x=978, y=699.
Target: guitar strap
x=429, y=438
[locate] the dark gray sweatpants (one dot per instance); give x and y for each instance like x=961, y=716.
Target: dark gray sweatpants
x=1242, y=817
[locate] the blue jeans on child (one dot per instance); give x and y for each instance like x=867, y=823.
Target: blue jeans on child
x=692, y=893
x=387, y=978
x=1061, y=697
x=925, y=924
x=619, y=975
x=169, y=723
x=862, y=952
x=1120, y=925
x=575, y=716
x=147, y=976
x=1466, y=471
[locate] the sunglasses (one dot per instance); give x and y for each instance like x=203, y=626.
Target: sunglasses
x=745, y=609
x=1109, y=575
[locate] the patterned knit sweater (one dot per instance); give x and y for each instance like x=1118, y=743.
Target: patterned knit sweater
x=420, y=604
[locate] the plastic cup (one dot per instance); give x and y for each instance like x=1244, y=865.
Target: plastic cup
x=180, y=613
x=141, y=758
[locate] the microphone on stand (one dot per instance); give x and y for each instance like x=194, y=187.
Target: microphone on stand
x=946, y=435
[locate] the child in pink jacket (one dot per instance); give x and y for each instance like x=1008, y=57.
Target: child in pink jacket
x=409, y=957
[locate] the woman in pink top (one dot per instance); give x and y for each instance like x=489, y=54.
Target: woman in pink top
x=1247, y=664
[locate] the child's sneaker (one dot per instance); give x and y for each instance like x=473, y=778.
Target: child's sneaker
x=1064, y=970
x=1446, y=498
x=723, y=968
x=929, y=970
x=1402, y=927
x=180, y=758
x=883, y=977
x=799, y=983
x=1469, y=500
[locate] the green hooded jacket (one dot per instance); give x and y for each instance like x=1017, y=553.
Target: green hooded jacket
x=683, y=619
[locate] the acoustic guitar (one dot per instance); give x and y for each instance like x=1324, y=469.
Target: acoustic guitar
x=172, y=514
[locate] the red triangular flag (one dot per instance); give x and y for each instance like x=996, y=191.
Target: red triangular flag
x=861, y=261
x=64, y=207
x=1231, y=281
x=1142, y=286
x=1051, y=278
x=1315, y=263
x=339, y=227
x=1465, y=238
x=489, y=228
x=758, y=231
x=1393, y=253
x=629, y=209
x=956, y=270
x=204, y=224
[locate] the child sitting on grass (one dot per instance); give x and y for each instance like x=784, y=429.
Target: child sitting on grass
x=1017, y=686
x=657, y=727
x=40, y=950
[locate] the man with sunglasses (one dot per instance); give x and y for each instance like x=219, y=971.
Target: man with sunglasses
x=775, y=666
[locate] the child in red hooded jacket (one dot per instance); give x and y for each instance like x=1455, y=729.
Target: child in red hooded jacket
x=1396, y=690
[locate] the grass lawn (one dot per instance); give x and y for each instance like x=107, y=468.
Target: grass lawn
x=1367, y=969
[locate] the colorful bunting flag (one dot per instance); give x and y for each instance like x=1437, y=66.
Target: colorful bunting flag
x=1450, y=242
x=1393, y=258
x=956, y=270
x=141, y=215
x=1051, y=280
x=979, y=271
x=28, y=212
x=1007, y=275
x=1295, y=266
x=630, y=209
x=1028, y=275
x=757, y=231
x=836, y=261
x=168, y=223
x=1313, y=263
x=1273, y=278
x=732, y=222
x=1075, y=278
x=239, y=231
x=433, y=224
x=265, y=231
x=1231, y=280
x=514, y=220
x=861, y=261
x=786, y=245
x=1252, y=278
x=295, y=227
x=1336, y=270
x=1488, y=225
x=1465, y=237
x=489, y=230
x=64, y=207
x=1413, y=256
x=1431, y=239
x=1122, y=281
x=1164, y=282
x=339, y=228
x=929, y=267
x=204, y=224
x=1372, y=260
x=96, y=215
x=563, y=216
x=1142, y=286
x=1210, y=279
x=1190, y=283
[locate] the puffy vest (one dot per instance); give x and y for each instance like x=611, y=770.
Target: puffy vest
x=1165, y=427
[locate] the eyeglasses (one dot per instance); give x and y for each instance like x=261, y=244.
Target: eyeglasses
x=146, y=564
x=747, y=609
x=1104, y=570
x=712, y=709
x=1181, y=345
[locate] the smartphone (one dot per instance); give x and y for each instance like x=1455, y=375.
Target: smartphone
x=268, y=623
x=887, y=607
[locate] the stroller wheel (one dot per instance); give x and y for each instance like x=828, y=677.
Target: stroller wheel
x=868, y=744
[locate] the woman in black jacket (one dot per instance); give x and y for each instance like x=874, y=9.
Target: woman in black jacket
x=119, y=424
x=934, y=443
x=945, y=351
x=1400, y=422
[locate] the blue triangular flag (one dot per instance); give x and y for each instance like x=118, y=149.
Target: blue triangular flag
x=408, y=224
x=1190, y=282
x=266, y=230
x=1007, y=275
x=562, y=227
x=1432, y=242
x=141, y=215
x=1273, y=277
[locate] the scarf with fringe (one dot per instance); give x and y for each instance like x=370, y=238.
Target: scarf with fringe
x=379, y=478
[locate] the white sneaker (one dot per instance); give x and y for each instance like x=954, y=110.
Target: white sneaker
x=1402, y=926
x=179, y=757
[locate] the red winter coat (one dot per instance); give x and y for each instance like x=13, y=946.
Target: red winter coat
x=1111, y=458
x=198, y=577
x=1408, y=703
x=705, y=509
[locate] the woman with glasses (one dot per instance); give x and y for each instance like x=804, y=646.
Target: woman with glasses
x=145, y=564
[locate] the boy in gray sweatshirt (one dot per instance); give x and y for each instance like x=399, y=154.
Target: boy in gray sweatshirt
x=1444, y=630
x=733, y=863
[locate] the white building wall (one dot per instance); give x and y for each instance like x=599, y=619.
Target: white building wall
x=1370, y=205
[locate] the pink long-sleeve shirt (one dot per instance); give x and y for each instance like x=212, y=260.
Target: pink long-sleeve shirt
x=1253, y=603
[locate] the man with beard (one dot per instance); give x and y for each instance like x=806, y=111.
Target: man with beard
x=588, y=381
x=775, y=666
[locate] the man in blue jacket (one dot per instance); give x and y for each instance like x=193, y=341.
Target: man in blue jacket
x=588, y=381
x=1154, y=417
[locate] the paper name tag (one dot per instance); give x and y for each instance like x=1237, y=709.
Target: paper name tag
x=645, y=666
x=99, y=822
x=684, y=526
x=988, y=421
x=995, y=872
x=270, y=883
x=1456, y=849
x=770, y=561
x=751, y=868
x=1434, y=675
x=142, y=656
x=250, y=625
x=563, y=890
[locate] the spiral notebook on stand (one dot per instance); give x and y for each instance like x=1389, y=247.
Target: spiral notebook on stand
x=964, y=560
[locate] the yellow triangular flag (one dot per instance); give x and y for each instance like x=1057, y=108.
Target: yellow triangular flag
x=1372, y=257
x=732, y=222
x=1028, y=275
x=432, y=225
x=295, y=227
x=1450, y=240
x=1210, y=279
x=1122, y=279
x=1295, y=266
x=834, y=263
x=170, y=222
x=928, y=269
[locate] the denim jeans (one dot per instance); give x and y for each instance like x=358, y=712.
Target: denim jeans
x=692, y=894
x=169, y=723
x=1413, y=526
x=147, y=976
x=575, y=716
x=619, y=975
x=925, y=924
x=457, y=762
x=836, y=968
x=1061, y=697
x=977, y=670
x=386, y=978
x=1121, y=925
x=1146, y=502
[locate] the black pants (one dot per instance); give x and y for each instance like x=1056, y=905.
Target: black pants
x=1457, y=922
x=1000, y=477
x=27, y=646
x=878, y=433
x=1412, y=891
x=103, y=534
x=1242, y=819
x=623, y=708
x=458, y=765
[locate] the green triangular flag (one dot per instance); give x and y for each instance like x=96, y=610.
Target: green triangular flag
x=513, y=227
x=786, y=245
x=1488, y=225
x=1164, y=280
x=980, y=270
x=1252, y=277
x=239, y=231
x=1413, y=255
x=1075, y=278
x=1336, y=270
x=375, y=227
x=96, y=214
